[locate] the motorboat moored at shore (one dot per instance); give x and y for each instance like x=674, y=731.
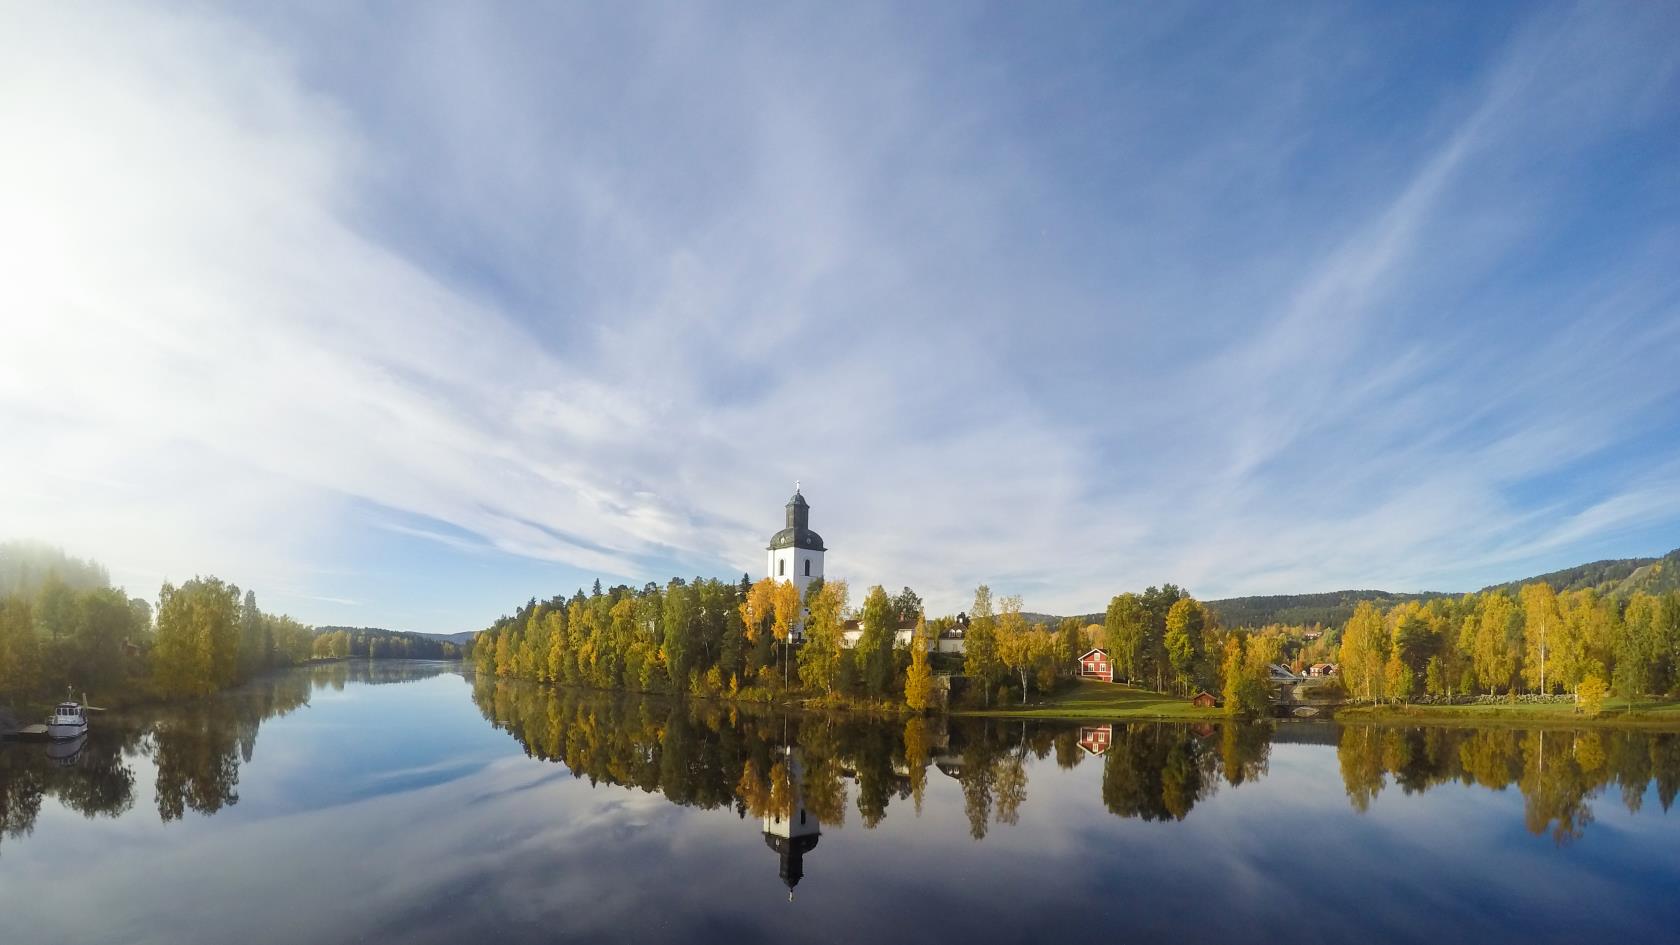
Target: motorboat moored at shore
x=67, y=721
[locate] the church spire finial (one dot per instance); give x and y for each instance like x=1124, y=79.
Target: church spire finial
x=796, y=487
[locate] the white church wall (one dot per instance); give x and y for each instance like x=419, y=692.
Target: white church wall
x=789, y=564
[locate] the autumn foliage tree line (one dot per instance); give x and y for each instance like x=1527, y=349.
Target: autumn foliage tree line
x=1535, y=642
x=1527, y=643
x=1539, y=639
x=63, y=626
x=709, y=637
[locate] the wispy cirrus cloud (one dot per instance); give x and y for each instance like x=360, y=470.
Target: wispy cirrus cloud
x=592, y=289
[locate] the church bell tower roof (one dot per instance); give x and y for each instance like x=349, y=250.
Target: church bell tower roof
x=798, y=532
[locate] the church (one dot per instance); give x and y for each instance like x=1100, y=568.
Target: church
x=796, y=552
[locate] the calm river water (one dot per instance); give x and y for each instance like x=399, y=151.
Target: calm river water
x=401, y=802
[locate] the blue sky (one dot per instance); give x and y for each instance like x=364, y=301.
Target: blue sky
x=401, y=314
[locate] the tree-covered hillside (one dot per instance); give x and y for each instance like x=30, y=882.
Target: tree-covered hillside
x=1619, y=577
x=1328, y=609
x=379, y=643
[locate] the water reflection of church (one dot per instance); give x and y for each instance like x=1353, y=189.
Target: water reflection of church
x=792, y=833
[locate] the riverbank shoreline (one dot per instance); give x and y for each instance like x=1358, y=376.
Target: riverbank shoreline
x=1093, y=701
x=1653, y=715
x=1088, y=701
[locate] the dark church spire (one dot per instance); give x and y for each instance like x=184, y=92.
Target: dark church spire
x=798, y=510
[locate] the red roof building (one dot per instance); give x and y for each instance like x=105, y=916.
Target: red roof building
x=1095, y=664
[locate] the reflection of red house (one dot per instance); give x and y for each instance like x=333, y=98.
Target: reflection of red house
x=1095, y=739
x=1096, y=665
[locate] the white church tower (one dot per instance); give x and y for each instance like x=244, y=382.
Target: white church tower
x=796, y=552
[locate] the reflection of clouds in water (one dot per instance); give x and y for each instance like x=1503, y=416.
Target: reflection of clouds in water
x=469, y=839
x=412, y=778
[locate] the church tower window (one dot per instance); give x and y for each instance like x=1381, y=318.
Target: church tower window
x=807, y=567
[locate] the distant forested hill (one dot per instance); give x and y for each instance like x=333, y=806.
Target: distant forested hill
x=1619, y=577
x=1051, y=620
x=461, y=637
x=1329, y=609
x=422, y=644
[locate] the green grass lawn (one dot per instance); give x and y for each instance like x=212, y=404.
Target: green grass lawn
x=1637, y=713
x=1087, y=699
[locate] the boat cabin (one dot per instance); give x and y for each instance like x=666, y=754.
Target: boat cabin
x=68, y=721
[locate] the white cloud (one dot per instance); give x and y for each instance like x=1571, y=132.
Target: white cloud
x=598, y=299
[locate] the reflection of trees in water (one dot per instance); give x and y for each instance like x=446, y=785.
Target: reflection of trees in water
x=385, y=671
x=708, y=756
x=89, y=775
x=1557, y=772
x=21, y=787
x=197, y=766
x=1244, y=752
x=1159, y=772
x=978, y=779
x=703, y=755
x=825, y=775
x=197, y=747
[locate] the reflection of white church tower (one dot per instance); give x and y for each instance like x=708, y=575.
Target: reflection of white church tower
x=796, y=552
x=793, y=834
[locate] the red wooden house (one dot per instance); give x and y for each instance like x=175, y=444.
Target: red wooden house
x=1095, y=664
